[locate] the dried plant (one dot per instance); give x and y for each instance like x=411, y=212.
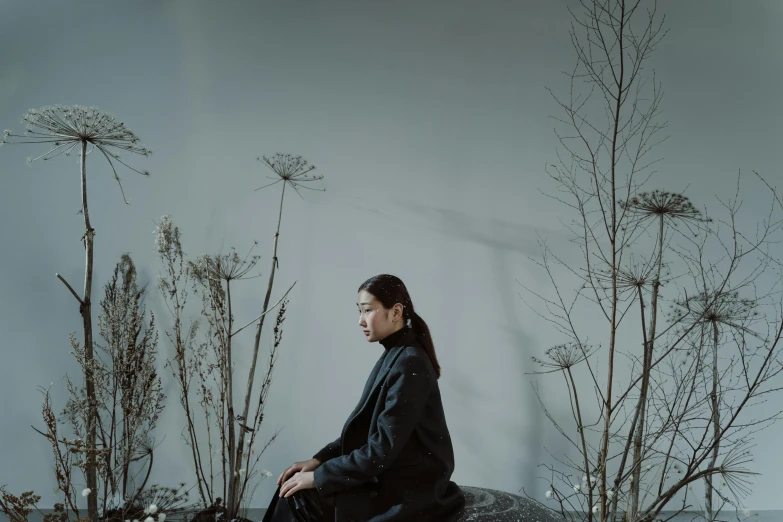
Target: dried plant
x=288, y=170
x=159, y=503
x=128, y=388
x=677, y=420
x=204, y=369
x=64, y=452
x=63, y=130
x=18, y=509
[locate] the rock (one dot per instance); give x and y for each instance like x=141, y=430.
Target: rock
x=491, y=505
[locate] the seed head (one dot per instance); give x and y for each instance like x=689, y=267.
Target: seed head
x=564, y=356
x=667, y=205
x=64, y=128
x=725, y=308
x=290, y=169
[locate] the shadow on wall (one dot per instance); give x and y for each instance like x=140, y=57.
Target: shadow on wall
x=501, y=239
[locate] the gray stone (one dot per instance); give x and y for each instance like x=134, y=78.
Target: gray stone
x=491, y=505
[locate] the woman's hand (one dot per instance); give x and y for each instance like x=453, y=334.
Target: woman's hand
x=307, y=465
x=300, y=480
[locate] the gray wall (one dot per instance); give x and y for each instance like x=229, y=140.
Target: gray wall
x=430, y=121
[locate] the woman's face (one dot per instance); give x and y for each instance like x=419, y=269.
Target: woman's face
x=376, y=321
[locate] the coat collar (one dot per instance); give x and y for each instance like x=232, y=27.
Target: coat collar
x=394, y=346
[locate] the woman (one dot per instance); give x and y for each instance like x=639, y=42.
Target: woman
x=394, y=459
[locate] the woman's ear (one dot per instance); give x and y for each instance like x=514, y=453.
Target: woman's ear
x=397, y=311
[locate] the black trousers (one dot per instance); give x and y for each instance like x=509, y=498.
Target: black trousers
x=305, y=505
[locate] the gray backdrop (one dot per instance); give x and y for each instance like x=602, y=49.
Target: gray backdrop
x=430, y=122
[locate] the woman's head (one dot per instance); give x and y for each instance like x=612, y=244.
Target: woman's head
x=385, y=306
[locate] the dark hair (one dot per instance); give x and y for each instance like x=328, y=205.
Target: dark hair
x=389, y=290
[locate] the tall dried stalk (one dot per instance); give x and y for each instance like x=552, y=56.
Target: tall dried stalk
x=641, y=451
x=66, y=129
x=294, y=171
x=663, y=207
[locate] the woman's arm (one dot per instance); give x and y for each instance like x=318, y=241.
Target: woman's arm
x=329, y=451
x=409, y=389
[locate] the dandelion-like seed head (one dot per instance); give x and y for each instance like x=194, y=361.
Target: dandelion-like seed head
x=659, y=203
x=266, y=473
x=564, y=356
x=86, y=491
x=63, y=128
x=633, y=277
x=290, y=169
x=226, y=267
x=160, y=500
x=723, y=308
x=734, y=472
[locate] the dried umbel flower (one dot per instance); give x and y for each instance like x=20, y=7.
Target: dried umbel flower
x=659, y=203
x=292, y=170
x=167, y=503
x=64, y=128
x=725, y=308
x=635, y=277
x=564, y=356
x=211, y=269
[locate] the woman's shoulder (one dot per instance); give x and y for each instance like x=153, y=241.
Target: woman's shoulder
x=413, y=358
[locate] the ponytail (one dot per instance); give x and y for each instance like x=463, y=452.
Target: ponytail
x=423, y=335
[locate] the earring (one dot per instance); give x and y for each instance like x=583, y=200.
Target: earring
x=409, y=323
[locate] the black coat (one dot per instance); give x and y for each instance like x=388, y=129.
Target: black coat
x=394, y=458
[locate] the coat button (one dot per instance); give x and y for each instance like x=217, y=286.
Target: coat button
x=373, y=494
